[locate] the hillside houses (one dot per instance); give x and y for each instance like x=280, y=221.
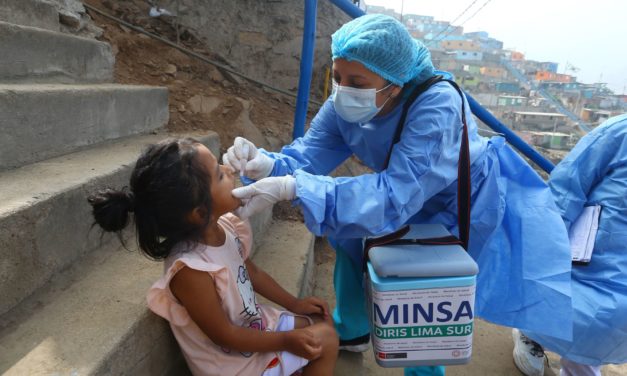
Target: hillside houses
x=526, y=95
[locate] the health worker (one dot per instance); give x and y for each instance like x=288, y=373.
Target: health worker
x=516, y=233
x=593, y=173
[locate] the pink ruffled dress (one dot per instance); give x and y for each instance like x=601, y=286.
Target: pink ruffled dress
x=225, y=265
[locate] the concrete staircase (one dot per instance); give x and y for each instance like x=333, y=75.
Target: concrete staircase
x=73, y=300
x=53, y=57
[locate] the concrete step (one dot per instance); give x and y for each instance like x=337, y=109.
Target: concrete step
x=33, y=55
x=90, y=320
x=44, y=121
x=32, y=13
x=286, y=253
x=260, y=223
x=45, y=221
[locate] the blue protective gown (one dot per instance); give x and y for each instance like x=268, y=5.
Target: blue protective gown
x=595, y=173
x=517, y=235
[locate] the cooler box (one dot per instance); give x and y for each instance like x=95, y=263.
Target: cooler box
x=421, y=301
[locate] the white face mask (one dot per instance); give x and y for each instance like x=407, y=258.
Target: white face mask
x=356, y=105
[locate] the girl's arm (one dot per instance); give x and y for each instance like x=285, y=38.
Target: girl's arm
x=197, y=292
x=267, y=287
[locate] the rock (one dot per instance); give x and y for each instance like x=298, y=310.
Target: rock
x=91, y=31
x=181, y=108
x=201, y=104
x=246, y=104
x=170, y=69
x=215, y=75
x=71, y=14
x=226, y=84
x=244, y=127
x=71, y=20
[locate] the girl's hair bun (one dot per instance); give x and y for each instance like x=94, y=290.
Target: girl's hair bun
x=111, y=208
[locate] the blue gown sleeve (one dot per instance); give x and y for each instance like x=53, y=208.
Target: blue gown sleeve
x=572, y=180
x=422, y=164
x=319, y=152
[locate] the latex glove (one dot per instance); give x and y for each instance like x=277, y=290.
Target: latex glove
x=243, y=156
x=264, y=193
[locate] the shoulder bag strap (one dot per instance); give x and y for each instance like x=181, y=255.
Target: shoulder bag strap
x=463, y=178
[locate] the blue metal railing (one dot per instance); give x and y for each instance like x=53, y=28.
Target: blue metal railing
x=511, y=137
x=306, y=66
x=304, y=84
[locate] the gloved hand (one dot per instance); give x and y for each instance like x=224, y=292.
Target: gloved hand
x=244, y=157
x=264, y=193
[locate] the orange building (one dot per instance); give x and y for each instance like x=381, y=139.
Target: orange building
x=517, y=56
x=554, y=77
x=493, y=72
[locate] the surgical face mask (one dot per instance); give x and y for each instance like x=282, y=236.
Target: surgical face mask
x=356, y=105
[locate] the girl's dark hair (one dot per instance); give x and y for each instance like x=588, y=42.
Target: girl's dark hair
x=167, y=183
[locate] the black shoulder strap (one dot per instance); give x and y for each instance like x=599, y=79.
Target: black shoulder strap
x=463, y=177
x=463, y=174
x=418, y=90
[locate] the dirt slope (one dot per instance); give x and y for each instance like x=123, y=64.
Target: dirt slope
x=201, y=97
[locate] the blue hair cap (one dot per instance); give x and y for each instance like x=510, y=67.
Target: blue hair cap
x=385, y=47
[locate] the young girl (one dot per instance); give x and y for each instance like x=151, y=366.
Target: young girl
x=181, y=200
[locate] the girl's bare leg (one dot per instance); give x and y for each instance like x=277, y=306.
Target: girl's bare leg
x=324, y=330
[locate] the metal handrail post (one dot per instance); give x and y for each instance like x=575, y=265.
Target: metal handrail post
x=306, y=59
x=510, y=136
x=306, y=66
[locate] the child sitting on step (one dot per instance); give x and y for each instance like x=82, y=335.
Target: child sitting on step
x=181, y=200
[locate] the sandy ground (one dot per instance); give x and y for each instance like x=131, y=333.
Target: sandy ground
x=492, y=344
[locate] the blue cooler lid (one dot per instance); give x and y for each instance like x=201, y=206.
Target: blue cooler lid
x=422, y=260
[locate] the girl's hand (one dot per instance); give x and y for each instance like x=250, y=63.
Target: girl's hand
x=310, y=305
x=303, y=343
